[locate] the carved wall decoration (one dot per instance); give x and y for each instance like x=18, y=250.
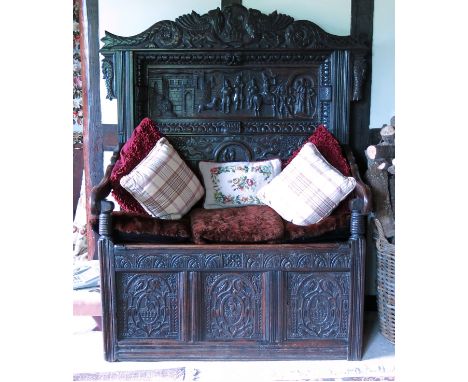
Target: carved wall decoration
x=148, y=305
x=318, y=305
x=233, y=306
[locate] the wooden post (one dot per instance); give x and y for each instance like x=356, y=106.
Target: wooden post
x=92, y=133
x=358, y=250
x=362, y=26
x=105, y=248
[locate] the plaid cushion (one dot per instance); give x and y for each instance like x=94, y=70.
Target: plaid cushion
x=308, y=189
x=140, y=143
x=163, y=183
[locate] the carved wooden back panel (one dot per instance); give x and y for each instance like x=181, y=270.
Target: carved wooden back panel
x=234, y=84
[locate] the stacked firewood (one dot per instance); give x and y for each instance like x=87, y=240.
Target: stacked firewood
x=380, y=176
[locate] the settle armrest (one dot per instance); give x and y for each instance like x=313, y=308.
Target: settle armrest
x=362, y=190
x=103, y=189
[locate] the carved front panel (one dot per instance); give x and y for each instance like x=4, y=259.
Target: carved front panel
x=318, y=305
x=233, y=306
x=148, y=305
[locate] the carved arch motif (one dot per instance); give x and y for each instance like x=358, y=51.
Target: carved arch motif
x=233, y=306
x=148, y=306
x=318, y=305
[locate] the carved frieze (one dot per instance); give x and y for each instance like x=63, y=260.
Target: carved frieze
x=148, y=305
x=318, y=305
x=231, y=27
x=232, y=305
x=197, y=127
x=240, y=148
x=228, y=58
x=228, y=93
x=279, y=127
x=236, y=127
x=309, y=260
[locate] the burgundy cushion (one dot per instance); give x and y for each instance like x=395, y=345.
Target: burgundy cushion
x=335, y=223
x=142, y=140
x=249, y=224
x=329, y=147
x=144, y=228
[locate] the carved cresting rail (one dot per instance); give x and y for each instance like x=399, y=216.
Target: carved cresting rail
x=231, y=70
x=233, y=85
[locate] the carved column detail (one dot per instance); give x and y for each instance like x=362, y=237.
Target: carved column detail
x=359, y=75
x=107, y=68
x=105, y=218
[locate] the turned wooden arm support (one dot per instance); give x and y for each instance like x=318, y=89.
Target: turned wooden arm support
x=103, y=189
x=105, y=218
x=363, y=200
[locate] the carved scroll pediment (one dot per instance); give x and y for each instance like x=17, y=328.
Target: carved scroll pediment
x=231, y=27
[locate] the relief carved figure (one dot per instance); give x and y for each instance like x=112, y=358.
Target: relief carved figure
x=268, y=91
x=310, y=92
x=226, y=92
x=252, y=89
x=300, y=88
x=238, y=99
x=282, y=97
x=304, y=97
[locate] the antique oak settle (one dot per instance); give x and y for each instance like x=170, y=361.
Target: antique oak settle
x=233, y=85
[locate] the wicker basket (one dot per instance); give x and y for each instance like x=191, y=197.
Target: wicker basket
x=385, y=283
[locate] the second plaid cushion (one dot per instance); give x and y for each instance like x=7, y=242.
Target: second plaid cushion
x=308, y=189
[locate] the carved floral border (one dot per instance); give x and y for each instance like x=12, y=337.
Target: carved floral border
x=77, y=84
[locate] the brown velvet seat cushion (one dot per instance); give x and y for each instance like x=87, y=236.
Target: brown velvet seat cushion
x=336, y=225
x=133, y=227
x=249, y=224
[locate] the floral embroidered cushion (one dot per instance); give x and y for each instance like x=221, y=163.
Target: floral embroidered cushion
x=235, y=184
x=308, y=189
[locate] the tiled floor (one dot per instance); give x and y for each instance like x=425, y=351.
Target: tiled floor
x=377, y=363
